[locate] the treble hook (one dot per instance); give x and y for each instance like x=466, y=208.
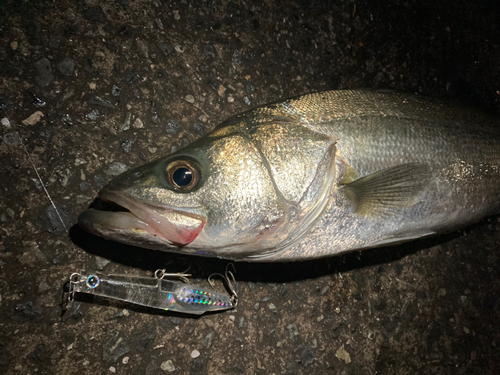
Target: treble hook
x=183, y=276
x=229, y=282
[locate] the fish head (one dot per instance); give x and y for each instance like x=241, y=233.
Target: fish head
x=240, y=192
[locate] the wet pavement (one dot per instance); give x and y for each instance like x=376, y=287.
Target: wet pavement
x=94, y=88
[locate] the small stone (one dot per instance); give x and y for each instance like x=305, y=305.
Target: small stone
x=96, y=100
x=84, y=185
x=198, y=128
x=293, y=331
x=125, y=360
x=92, y=86
x=152, y=150
x=168, y=366
x=67, y=66
x=45, y=75
x=189, y=99
x=246, y=100
x=93, y=115
x=343, y=355
x=126, y=124
x=43, y=286
x=167, y=49
x=207, y=341
x=242, y=323
x=126, y=146
x=142, y=47
x=138, y=124
x=177, y=16
x=116, y=168
x=324, y=290
x=33, y=118
x=195, y=354
x=69, y=347
x=232, y=317
x=230, y=99
x=273, y=308
x=221, y=90
x=116, y=90
x=179, y=49
x=172, y=127
x=80, y=161
x=100, y=180
x=112, y=369
x=13, y=45
x=250, y=88
x=11, y=139
x=131, y=76
x=208, y=50
x=5, y=122
x=308, y=355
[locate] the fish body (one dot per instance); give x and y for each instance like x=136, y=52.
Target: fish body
x=314, y=176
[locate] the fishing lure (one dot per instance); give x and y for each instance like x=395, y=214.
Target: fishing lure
x=156, y=292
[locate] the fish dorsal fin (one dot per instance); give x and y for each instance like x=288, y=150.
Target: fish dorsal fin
x=393, y=188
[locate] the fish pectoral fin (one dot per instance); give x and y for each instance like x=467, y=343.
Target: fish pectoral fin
x=393, y=188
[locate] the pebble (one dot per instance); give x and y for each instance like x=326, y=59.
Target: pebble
x=126, y=124
x=45, y=75
x=84, y=185
x=343, y=355
x=230, y=99
x=250, y=88
x=273, y=308
x=96, y=100
x=116, y=90
x=172, y=127
x=43, y=286
x=195, y=354
x=246, y=100
x=14, y=45
x=131, y=76
x=152, y=150
x=116, y=168
x=93, y=115
x=138, y=124
x=189, y=99
x=100, y=180
x=167, y=49
x=126, y=146
x=198, y=128
x=177, y=16
x=112, y=369
x=33, y=118
x=125, y=360
x=67, y=66
x=179, y=49
x=52, y=221
x=207, y=341
x=11, y=139
x=168, y=366
x=208, y=50
x=114, y=348
x=5, y=122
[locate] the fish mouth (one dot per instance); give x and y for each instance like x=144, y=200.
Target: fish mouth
x=123, y=218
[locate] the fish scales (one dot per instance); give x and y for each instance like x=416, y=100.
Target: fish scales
x=314, y=176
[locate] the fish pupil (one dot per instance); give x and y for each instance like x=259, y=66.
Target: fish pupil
x=182, y=177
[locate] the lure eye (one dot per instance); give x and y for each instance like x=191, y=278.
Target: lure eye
x=183, y=174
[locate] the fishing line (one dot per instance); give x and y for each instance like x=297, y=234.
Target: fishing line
x=37, y=174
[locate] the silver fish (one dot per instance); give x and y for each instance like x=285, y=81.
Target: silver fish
x=314, y=176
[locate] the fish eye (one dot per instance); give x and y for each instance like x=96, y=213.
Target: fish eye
x=183, y=174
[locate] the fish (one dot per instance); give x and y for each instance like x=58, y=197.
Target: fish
x=310, y=177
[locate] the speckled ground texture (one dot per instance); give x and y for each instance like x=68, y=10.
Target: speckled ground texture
x=119, y=83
